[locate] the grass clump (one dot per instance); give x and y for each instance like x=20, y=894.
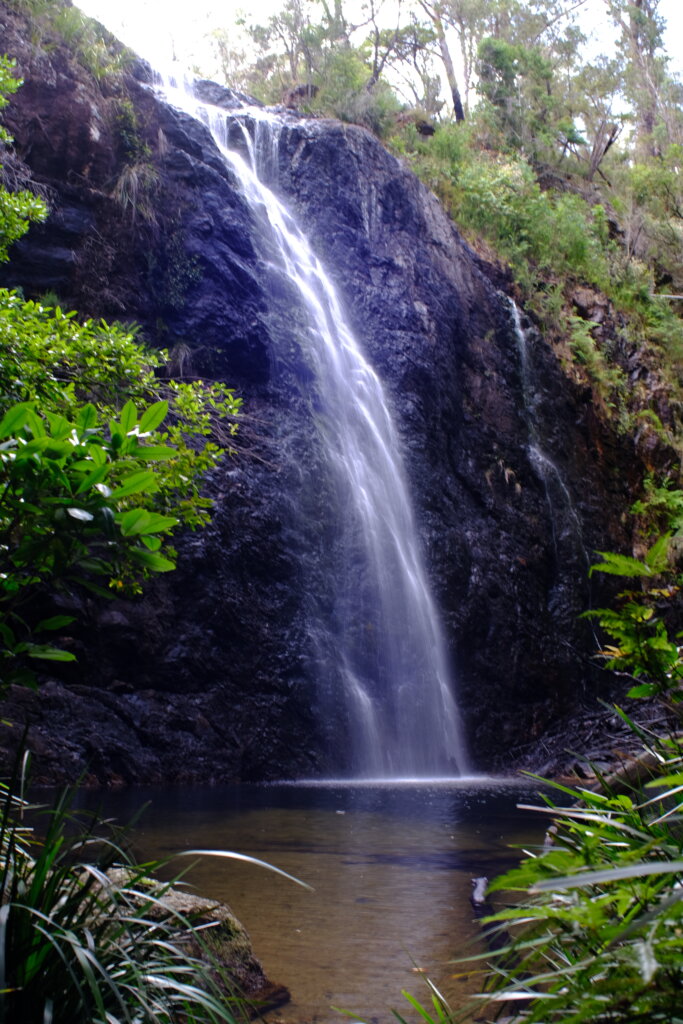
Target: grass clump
x=84, y=945
x=96, y=49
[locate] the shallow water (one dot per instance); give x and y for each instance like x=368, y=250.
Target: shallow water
x=390, y=866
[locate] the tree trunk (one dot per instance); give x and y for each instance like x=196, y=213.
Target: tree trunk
x=434, y=15
x=450, y=75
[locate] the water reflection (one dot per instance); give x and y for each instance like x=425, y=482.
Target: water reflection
x=390, y=868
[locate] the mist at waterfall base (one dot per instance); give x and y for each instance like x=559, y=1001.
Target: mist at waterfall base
x=384, y=682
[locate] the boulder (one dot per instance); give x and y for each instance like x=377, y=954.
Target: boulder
x=225, y=944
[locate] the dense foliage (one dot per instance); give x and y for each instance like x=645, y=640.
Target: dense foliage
x=96, y=49
x=601, y=935
x=101, y=457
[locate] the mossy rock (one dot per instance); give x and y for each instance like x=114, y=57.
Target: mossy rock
x=225, y=943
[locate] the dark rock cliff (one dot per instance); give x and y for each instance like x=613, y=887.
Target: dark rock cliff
x=516, y=479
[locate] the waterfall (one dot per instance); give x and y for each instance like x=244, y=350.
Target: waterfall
x=567, y=530
x=399, y=717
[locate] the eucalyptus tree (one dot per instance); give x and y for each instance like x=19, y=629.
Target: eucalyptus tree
x=460, y=27
x=647, y=84
x=414, y=66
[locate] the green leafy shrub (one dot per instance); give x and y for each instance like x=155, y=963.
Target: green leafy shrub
x=17, y=209
x=100, y=460
x=72, y=511
x=536, y=232
x=555, y=238
x=602, y=935
x=661, y=506
x=344, y=93
x=643, y=646
x=48, y=357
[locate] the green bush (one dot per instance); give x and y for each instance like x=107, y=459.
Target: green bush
x=661, y=506
x=538, y=233
x=72, y=513
x=606, y=378
x=344, y=93
x=555, y=239
x=96, y=49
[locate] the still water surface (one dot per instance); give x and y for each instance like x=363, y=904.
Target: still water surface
x=390, y=867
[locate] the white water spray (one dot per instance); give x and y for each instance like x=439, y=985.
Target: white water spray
x=401, y=715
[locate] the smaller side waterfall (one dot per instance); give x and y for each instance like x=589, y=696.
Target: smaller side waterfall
x=567, y=530
x=399, y=716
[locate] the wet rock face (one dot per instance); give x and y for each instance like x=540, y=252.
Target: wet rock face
x=516, y=481
x=514, y=478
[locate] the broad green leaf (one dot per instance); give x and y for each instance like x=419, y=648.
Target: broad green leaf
x=129, y=417
x=117, y=435
x=161, y=524
x=97, y=454
x=35, y=423
x=152, y=560
x=155, y=453
x=152, y=417
x=134, y=521
x=59, y=425
x=55, y=622
x=94, y=477
x=139, y=521
x=644, y=690
x=48, y=447
x=15, y=418
x=50, y=653
x=86, y=418
x=142, y=480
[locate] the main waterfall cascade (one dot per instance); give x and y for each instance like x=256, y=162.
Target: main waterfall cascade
x=401, y=718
